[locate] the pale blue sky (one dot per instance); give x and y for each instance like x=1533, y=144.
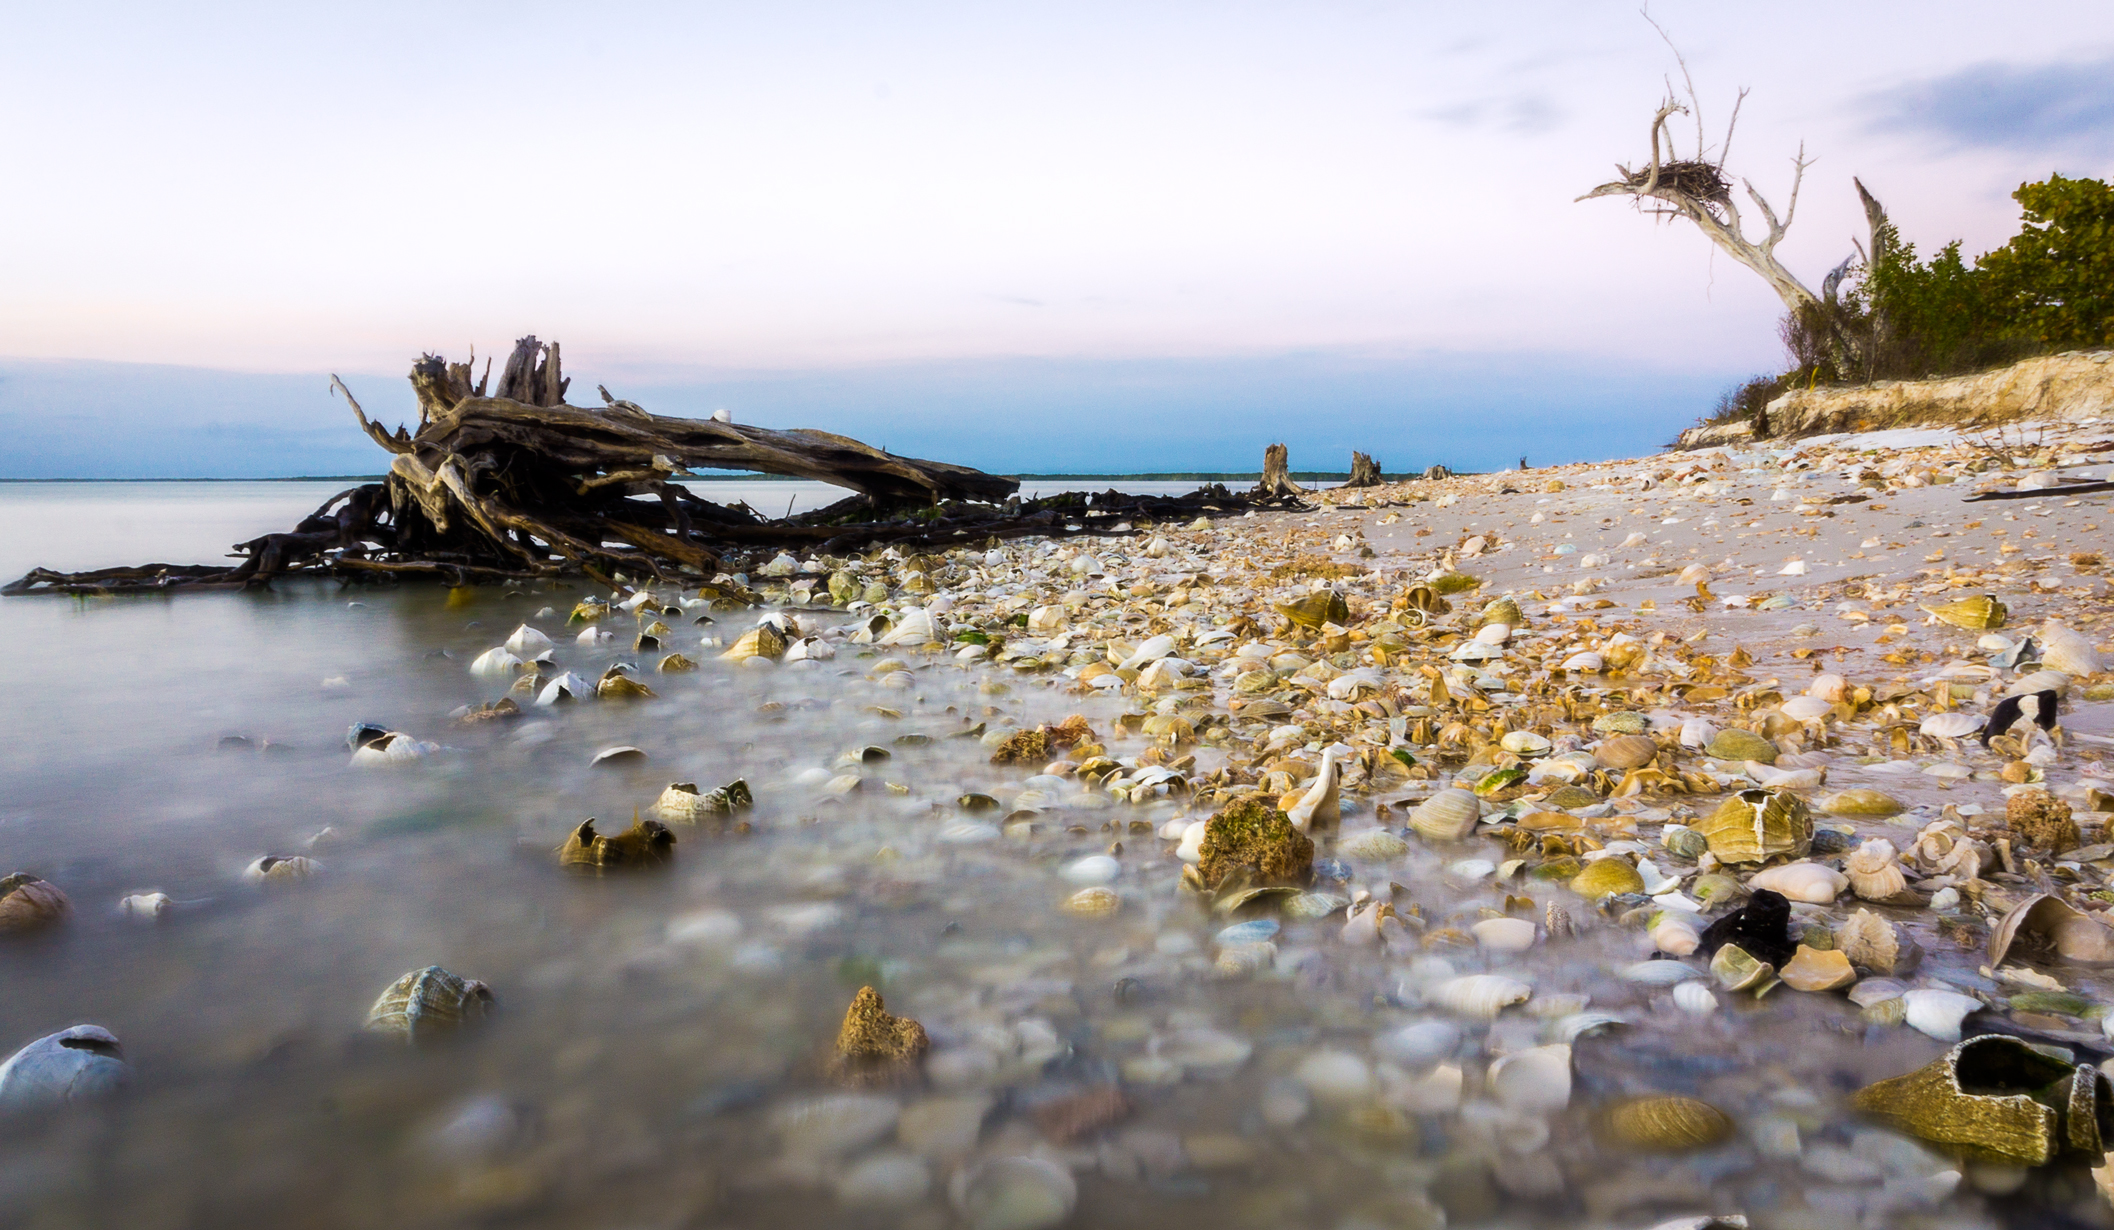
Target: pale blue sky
x=1314, y=213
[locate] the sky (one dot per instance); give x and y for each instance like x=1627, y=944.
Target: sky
x=1094, y=237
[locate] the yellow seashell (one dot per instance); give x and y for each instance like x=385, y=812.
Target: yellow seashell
x=1605, y=877
x=763, y=641
x=1667, y=1124
x=1096, y=902
x=1977, y=614
x=1861, y=802
x=1754, y=826
x=1314, y=610
x=1501, y=611
x=1627, y=751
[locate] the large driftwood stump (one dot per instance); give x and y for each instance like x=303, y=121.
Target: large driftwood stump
x=1365, y=472
x=518, y=484
x=1277, y=475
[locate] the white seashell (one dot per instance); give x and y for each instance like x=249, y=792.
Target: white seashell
x=1536, y=1081
x=1806, y=708
x=1373, y=923
x=1505, y=934
x=1951, y=724
x=1659, y=973
x=635, y=601
x=564, y=689
x=1192, y=847
x=1572, y=1026
x=1482, y=996
x=914, y=628
x=275, y=869
x=1244, y=960
x=1093, y=869
x=1438, y=1092
x=2068, y=652
x=1874, y=872
x=1335, y=1078
x=1694, y=574
x=1320, y=808
x=621, y=754
x=1046, y=620
x=1493, y=634
x=1655, y=880
x=1373, y=846
x=591, y=636
x=1773, y=778
x=1676, y=933
x=1937, y=1013
x=1814, y=883
x=1831, y=687
x=1419, y=1045
x=2040, y=681
x=1796, y=568
x=1206, y=1051
x=815, y=649
x=1695, y=997
x=1524, y=743
x=527, y=642
x=1585, y=661
x=1449, y=815
x=1697, y=732
x=83, y=1061
x=496, y=663
x=1014, y=1193
x=1152, y=650
x=394, y=748
x=147, y=907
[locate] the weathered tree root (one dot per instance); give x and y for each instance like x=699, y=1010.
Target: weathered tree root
x=520, y=486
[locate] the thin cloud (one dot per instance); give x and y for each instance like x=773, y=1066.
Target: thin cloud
x=2037, y=107
x=1529, y=114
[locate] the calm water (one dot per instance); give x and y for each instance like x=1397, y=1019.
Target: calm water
x=658, y=1036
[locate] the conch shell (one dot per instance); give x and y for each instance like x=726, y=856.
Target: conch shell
x=646, y=843
x=1875, y=873
x=28, y=903
x=1480, y=995
x=1977, y=614
x=1754, y=826
x=426, y=1003
x=683, y=803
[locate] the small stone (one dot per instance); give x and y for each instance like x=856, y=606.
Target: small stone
x=2042, y=820
x=1030, y=747
x=874, y=1048
x=1249, y=833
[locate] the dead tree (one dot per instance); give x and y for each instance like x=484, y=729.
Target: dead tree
x=1277, y=474
x=1365, y=472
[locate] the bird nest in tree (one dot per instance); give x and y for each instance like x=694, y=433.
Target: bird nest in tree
x=1701, y=181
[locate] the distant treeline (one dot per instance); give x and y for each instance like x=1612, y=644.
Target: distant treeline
x=2050, y=289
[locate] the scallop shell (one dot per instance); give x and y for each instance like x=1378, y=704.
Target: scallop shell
x=1875, y=873
x=1373, y=845
x=1482, y=996
x=1098, y=901
x=83, y=1061
x=28, y=903
x=1977, y=614
x=1813, y=883
x=1756, y=825
x=429, y=1003
x=1449, y=815
x=1626, y=751
x=1668, y=1124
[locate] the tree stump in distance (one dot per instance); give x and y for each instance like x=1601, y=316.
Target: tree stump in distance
x=1365, y=472
x=1277, y=475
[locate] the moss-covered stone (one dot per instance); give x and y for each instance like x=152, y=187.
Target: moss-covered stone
x=873, y=1047
x=1024, y=747
x=2042, y=820
x=1250, y=832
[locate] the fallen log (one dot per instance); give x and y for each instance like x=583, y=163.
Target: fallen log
x=518, y=485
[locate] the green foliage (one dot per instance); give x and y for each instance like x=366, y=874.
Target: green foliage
x=2056, y=276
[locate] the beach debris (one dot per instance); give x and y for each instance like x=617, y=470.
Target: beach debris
x=1761, y=927
x=30, y=904
x=1667, y=1124
x=1754, y=826
x=684, y=803
x=1251, y=835
x=278, y=870
x=76, y=1063
x=647, y=843
x=874, y=1048
x=1978, y=1100
x=429, y=1004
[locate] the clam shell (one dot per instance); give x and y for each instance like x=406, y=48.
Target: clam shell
x=1481, y=996
x=1312, y=905
x=1829, y=687
x=527, y=642
x=2040, y=681
x=1667, y=1124
x=2069, y=652
x=280, y=869
x=2047, y=924
x=1372, y=845
x=1806, y=708
x=1098, y=901
x=1449, y=815
x=429, y=1003
x=1740, y=746
x=1535, y=1081
x=1676, y=932
x=497, y=663
x=1950, y=724
x=1937, y=1013
x=1737, y=970
x=1813, y=883
x=1606, y=877
x=565, y=688
x=1811, y=969
x=28, y=903
x=1659, y=973
x=1505, y=934
x=1756, y=825
x=83, y=1061
x=1861, y=802
x=1420, y=1045
x=763, y=641
x=1626, y=751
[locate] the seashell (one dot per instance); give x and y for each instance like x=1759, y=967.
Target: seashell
x=1805, y=708
x=1737, y=970
x=1320, y=809
x=1449, y=815
x=617, y=757
x=683, y=803
x=1861, y=802
x=915, y=627
x=1152, y=650
x=146, y=907
x=646, y=843
x=1695, y=997
x=1372, y=923
x=1505, y=934
x=29, y=904
x=1373, y=845
x=1829, y=687
x=1419, y=1045
x=2039, y=681
x=1937, y=1013
x=1626, y=722
x=2069, y=652
x=1253, y=931
x=1783, y=779
x=1501, y=611
x=762, y=641
x=1524, y=743
x=1811, y=969
x=1335, y=1078
x=1097, y=901
x=1684, y=841
x=1869, y=941
x=1312, y=905
x=675, y=664
x=1014, y=1193
x=1626, y=751
x=1607, y=877
x=2044, y=924
x=1756, y=825
x=1206, y=1051
x=1586, y=661
x=1951, y=724
x=82, y=1061
x=276, y=869
x=1874, y=872
x=1979, y=1099
x=1093, y=869
x=497, y=663
x=1739, y=746
x=564, y=689
x=1659, y=973
x=617, y=684
x=1481, y=996
x=833, y=1125
x=1676, y=933
x=1813, y=883
x=1977, y=614
x=1667, y=1124
x=527, y=642
x=1697, y=732
x=384, y=748
x=810, y=649
x=1316, y=609
x=1575, y=1025
x=429, y=1003
x=592, y=636
x=1535, y=1081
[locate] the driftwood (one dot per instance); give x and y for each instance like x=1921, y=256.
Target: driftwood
x=519, y=485
x=1365, y=472
x=1277, y=475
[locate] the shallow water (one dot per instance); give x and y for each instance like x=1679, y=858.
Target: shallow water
x=654, y=1032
